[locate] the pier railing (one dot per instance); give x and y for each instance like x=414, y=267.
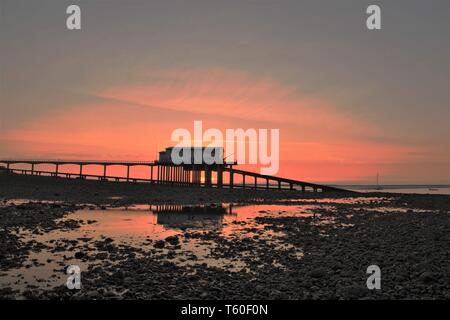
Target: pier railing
x=169, y=174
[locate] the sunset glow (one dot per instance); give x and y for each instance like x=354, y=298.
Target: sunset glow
x=128, y=110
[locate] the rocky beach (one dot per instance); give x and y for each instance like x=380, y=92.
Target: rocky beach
x=140, y=241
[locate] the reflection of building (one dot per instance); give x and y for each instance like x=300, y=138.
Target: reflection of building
x=178, y=216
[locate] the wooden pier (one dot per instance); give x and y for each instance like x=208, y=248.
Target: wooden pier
x=170, y=174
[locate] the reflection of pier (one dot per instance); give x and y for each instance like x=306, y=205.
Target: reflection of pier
x=164, y=171
x=179, y=216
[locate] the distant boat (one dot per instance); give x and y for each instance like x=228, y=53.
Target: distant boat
x=433, y=189
x=378, y=187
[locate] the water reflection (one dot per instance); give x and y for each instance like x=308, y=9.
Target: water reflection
x=189, y=217
x=141, y=226
x=182, y=217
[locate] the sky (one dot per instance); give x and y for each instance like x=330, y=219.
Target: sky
x=349, y=102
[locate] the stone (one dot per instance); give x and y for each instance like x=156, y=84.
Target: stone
x=159, y=244
x=79, y=255
x=174, y=240
x=318, y=273
x=427, y=277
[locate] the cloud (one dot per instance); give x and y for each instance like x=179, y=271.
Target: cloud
x=225, y=93
x=136, y=120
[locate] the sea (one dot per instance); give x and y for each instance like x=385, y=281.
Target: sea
x=418, y=189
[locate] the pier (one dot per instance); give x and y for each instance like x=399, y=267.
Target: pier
x=226, y=175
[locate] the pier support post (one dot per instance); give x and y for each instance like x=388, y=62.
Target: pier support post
x=32, y=169
x=208, y=175
x=181, y=179
x=128, y=173
x=243, y=181
x=198, y=174
x=81, y=170
x=57, y=169
x=151, y=174
x=174, y=175
x=183, y=175
x=256, y=182
x=231, y=178
x=267, y=184
x=303, y=188
x=279, y=185
x=104, y=171
x=220, y=177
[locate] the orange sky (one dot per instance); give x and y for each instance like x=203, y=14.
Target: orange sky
x=349, y=102
x=317, y=142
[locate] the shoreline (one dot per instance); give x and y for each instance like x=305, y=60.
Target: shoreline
x=108, y=192
x=291, y=245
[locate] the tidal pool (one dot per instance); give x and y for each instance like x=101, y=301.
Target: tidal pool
x=140, y=226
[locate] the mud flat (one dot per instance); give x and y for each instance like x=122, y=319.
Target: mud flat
x=285, y=247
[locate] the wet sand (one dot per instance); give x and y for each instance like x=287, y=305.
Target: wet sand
x=134, y=241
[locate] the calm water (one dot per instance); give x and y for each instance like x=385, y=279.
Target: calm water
x=403, y=189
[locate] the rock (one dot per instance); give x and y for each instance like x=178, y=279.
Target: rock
x=79, y=255
x=174, y=240
x=101, y=256
x=318, y=273
x=159, y=244
x=427, y=277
